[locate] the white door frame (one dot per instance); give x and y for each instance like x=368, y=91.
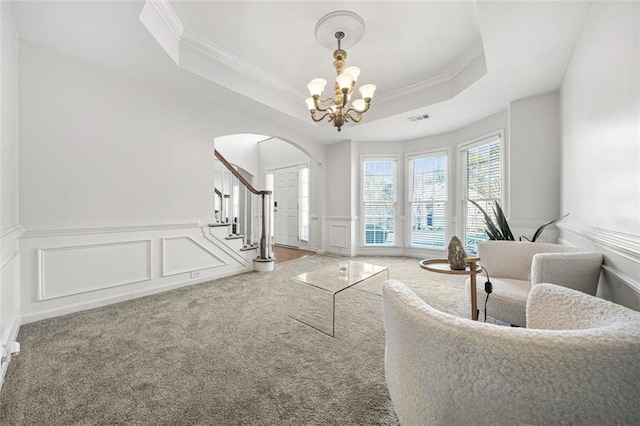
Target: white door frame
x=285, y=198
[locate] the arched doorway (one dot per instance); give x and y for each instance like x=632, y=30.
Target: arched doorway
x=281, y=166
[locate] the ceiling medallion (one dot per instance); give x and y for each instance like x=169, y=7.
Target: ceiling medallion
x=347, y=29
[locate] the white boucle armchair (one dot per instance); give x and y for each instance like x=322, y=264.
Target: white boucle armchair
x=578, y=362
x=514, y=267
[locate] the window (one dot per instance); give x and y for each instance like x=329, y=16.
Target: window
x=482, y=180
x=428, y=200
x=379, y=201
x=303, y=184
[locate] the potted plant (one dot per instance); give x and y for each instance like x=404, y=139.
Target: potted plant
x=500, y=229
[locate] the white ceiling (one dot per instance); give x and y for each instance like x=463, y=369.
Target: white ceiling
x=278, y=38
x=457, y=61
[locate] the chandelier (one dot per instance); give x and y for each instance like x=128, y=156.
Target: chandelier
x=338, y=109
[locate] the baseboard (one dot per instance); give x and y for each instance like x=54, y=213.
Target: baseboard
x=97, y=303
x=13, y=336
x=416, y=253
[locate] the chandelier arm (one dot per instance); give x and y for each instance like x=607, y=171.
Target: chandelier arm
x=321, y=108
x=326, y=114
x=355, y=119
x=367, y=104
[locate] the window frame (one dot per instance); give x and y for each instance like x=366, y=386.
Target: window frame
x=362, y=227
x=441, y=151
x=463, y=148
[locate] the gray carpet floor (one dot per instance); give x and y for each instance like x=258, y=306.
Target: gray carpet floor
x=224, y=352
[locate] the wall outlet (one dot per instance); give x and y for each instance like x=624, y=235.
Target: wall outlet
x=196, y=274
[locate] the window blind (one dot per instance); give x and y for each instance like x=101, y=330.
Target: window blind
x=428, y=200
x=379, y=201
x=482, y=168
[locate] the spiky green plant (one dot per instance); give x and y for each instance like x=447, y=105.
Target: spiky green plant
x=501, y=230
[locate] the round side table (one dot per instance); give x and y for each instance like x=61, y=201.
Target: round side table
x=442, y=266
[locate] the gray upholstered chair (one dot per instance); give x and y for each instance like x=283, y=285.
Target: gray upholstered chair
x=514, y=267
x=577, y=362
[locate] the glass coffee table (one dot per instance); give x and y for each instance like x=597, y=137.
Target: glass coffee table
x=312, y=300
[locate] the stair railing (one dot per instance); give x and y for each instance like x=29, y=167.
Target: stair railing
x=239, y=205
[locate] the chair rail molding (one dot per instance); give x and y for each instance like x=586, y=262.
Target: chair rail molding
x=9, y=238
x=68, y=231
x=624, y=244
x=14, y=231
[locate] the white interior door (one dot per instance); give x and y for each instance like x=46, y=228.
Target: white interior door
x=286, y=206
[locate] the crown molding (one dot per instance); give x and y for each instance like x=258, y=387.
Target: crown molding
x=190, y=39
x=445, y=76
x=473, y=53
x=420, y=85
x=215, y=52
x=168, y=16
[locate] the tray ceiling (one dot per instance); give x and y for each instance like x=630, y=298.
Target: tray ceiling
x=456, y=61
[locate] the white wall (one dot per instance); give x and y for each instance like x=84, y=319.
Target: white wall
x=600, y=107
x=339, y=179
x=113, y=171
x=534, y=125
x=338, y=222
x=9, y=109
x=10, y=228
x=97, y=149
x=277, y=154
x=241, y=150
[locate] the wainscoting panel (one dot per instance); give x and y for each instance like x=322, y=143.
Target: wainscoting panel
x=184, y=254
x=338, y=236
x=72, y=269
x=64, y=271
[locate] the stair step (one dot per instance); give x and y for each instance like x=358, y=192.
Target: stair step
x=217, y=225
x=247, y=248
x=234, y=237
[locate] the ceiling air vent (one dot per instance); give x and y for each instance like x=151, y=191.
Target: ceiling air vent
x=418, y=118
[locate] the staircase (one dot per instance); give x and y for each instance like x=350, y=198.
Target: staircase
x=243, y=213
